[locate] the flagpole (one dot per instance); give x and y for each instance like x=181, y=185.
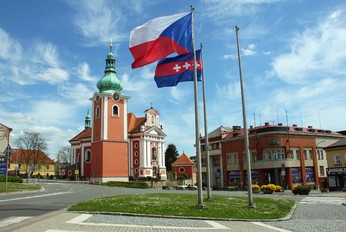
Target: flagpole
x=205, y=128
x=246, y=134
x=198, y=142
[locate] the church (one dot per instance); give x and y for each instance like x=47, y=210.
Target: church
x=116, y=145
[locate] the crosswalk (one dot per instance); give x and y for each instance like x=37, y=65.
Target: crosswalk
x=323, y=200
x=11, y=220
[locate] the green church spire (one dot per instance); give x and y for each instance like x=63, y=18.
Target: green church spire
x=109, y=83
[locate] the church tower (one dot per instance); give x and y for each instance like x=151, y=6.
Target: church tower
x=109, y=139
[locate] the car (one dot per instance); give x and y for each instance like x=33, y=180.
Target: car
x=191, y=187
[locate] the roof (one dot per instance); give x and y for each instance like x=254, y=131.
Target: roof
x=2, y=125
x=183, y=160
x=340, y=143
x=19, y=156
x=152, y=111
x=134, y=123
x=84, y=134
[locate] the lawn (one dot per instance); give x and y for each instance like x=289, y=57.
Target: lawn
x=167, y=204
x=16, y=187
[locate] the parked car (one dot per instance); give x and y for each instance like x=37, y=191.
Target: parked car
x=191, y=187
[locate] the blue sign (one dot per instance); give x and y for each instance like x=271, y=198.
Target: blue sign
x=3, y=165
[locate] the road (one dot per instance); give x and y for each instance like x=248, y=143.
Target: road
x=46, y=211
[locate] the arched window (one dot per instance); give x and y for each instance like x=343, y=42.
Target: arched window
x=115, y=111
x=87, y=156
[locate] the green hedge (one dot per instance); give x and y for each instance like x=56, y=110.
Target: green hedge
x=135, y=184
x=11, y=179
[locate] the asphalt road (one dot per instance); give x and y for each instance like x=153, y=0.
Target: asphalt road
x=45, y=211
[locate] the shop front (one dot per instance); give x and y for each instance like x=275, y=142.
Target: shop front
x=336, y=178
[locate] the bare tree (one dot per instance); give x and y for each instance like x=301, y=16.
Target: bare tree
x=30, y=145
x=64, y=155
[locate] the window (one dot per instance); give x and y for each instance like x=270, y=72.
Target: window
x=229, y=159
x=88, y=156
x=298, y=154
x=321, y=170
x=310, y=154
x=136, y=153
x=235, y=158
x=337, y=159
x=216, y=161
x=318, y=155
x=136, y=145
x=305, y=154
x=97, y=113
x=181, y=170
x=115, y=111
x=274, y=154
x=136, y=170
x=254, y=156
x=136, y=161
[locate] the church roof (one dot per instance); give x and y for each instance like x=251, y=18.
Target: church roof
x=109, y=83
x=134, y=123
x=183, y=160
x=151, y=111
x=84, y=134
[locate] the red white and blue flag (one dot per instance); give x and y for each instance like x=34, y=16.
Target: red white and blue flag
x=171, y=71
x=161, y=37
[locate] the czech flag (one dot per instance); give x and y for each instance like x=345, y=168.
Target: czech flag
x=171, y=71
x=161, y=37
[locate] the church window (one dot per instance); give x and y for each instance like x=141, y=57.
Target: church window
x=181, y=170
x=88, y=156
x=115, y=111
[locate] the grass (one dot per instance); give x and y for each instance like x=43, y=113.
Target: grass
x=185, y=205
x=16, y=187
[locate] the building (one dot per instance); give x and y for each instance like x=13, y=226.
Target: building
x=336, y=171
x=116, y=144
x=282, y=155
x=4, y=143
x=183, y=167
x=33, y=163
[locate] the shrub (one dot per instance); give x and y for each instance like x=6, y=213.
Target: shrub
x=15, y=179
x=136, y=184
x=301, y=190
x=270, y=188
x=255, y=186
x=277, y=188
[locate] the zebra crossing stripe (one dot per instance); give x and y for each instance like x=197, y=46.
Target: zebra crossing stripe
x=12, y=220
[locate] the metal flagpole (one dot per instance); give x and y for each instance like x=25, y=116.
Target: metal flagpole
x=198, y=142
x=246, y=134
x=206, y=128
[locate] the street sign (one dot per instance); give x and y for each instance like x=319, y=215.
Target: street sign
x=3, y=166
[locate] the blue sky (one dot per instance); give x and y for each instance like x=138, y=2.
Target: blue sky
x=293, y=58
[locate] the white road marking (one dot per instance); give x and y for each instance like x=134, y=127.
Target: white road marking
x=323, y=200
x=81, y=218
x=270, y=227
x=11, y=220
x=62, y=231
x=37, y=196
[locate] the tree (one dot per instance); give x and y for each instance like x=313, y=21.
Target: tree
x=64, y=155
x=171, y=155
x=30, y=145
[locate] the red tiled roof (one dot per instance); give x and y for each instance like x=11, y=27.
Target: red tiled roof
x=183, y=159
x=134, y=123
x=84, y=134
x=19, y=156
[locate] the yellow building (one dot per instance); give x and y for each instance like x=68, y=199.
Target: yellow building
x=33, y=163
x=336, y=159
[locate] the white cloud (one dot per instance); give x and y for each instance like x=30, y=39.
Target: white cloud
x=316, y=52
x=46, y=54
x=99, y=21
x=84, y=73
x=77, y=93
x=10, y=49
x=53, y=76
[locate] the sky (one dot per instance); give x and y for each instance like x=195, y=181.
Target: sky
x=293, y=57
